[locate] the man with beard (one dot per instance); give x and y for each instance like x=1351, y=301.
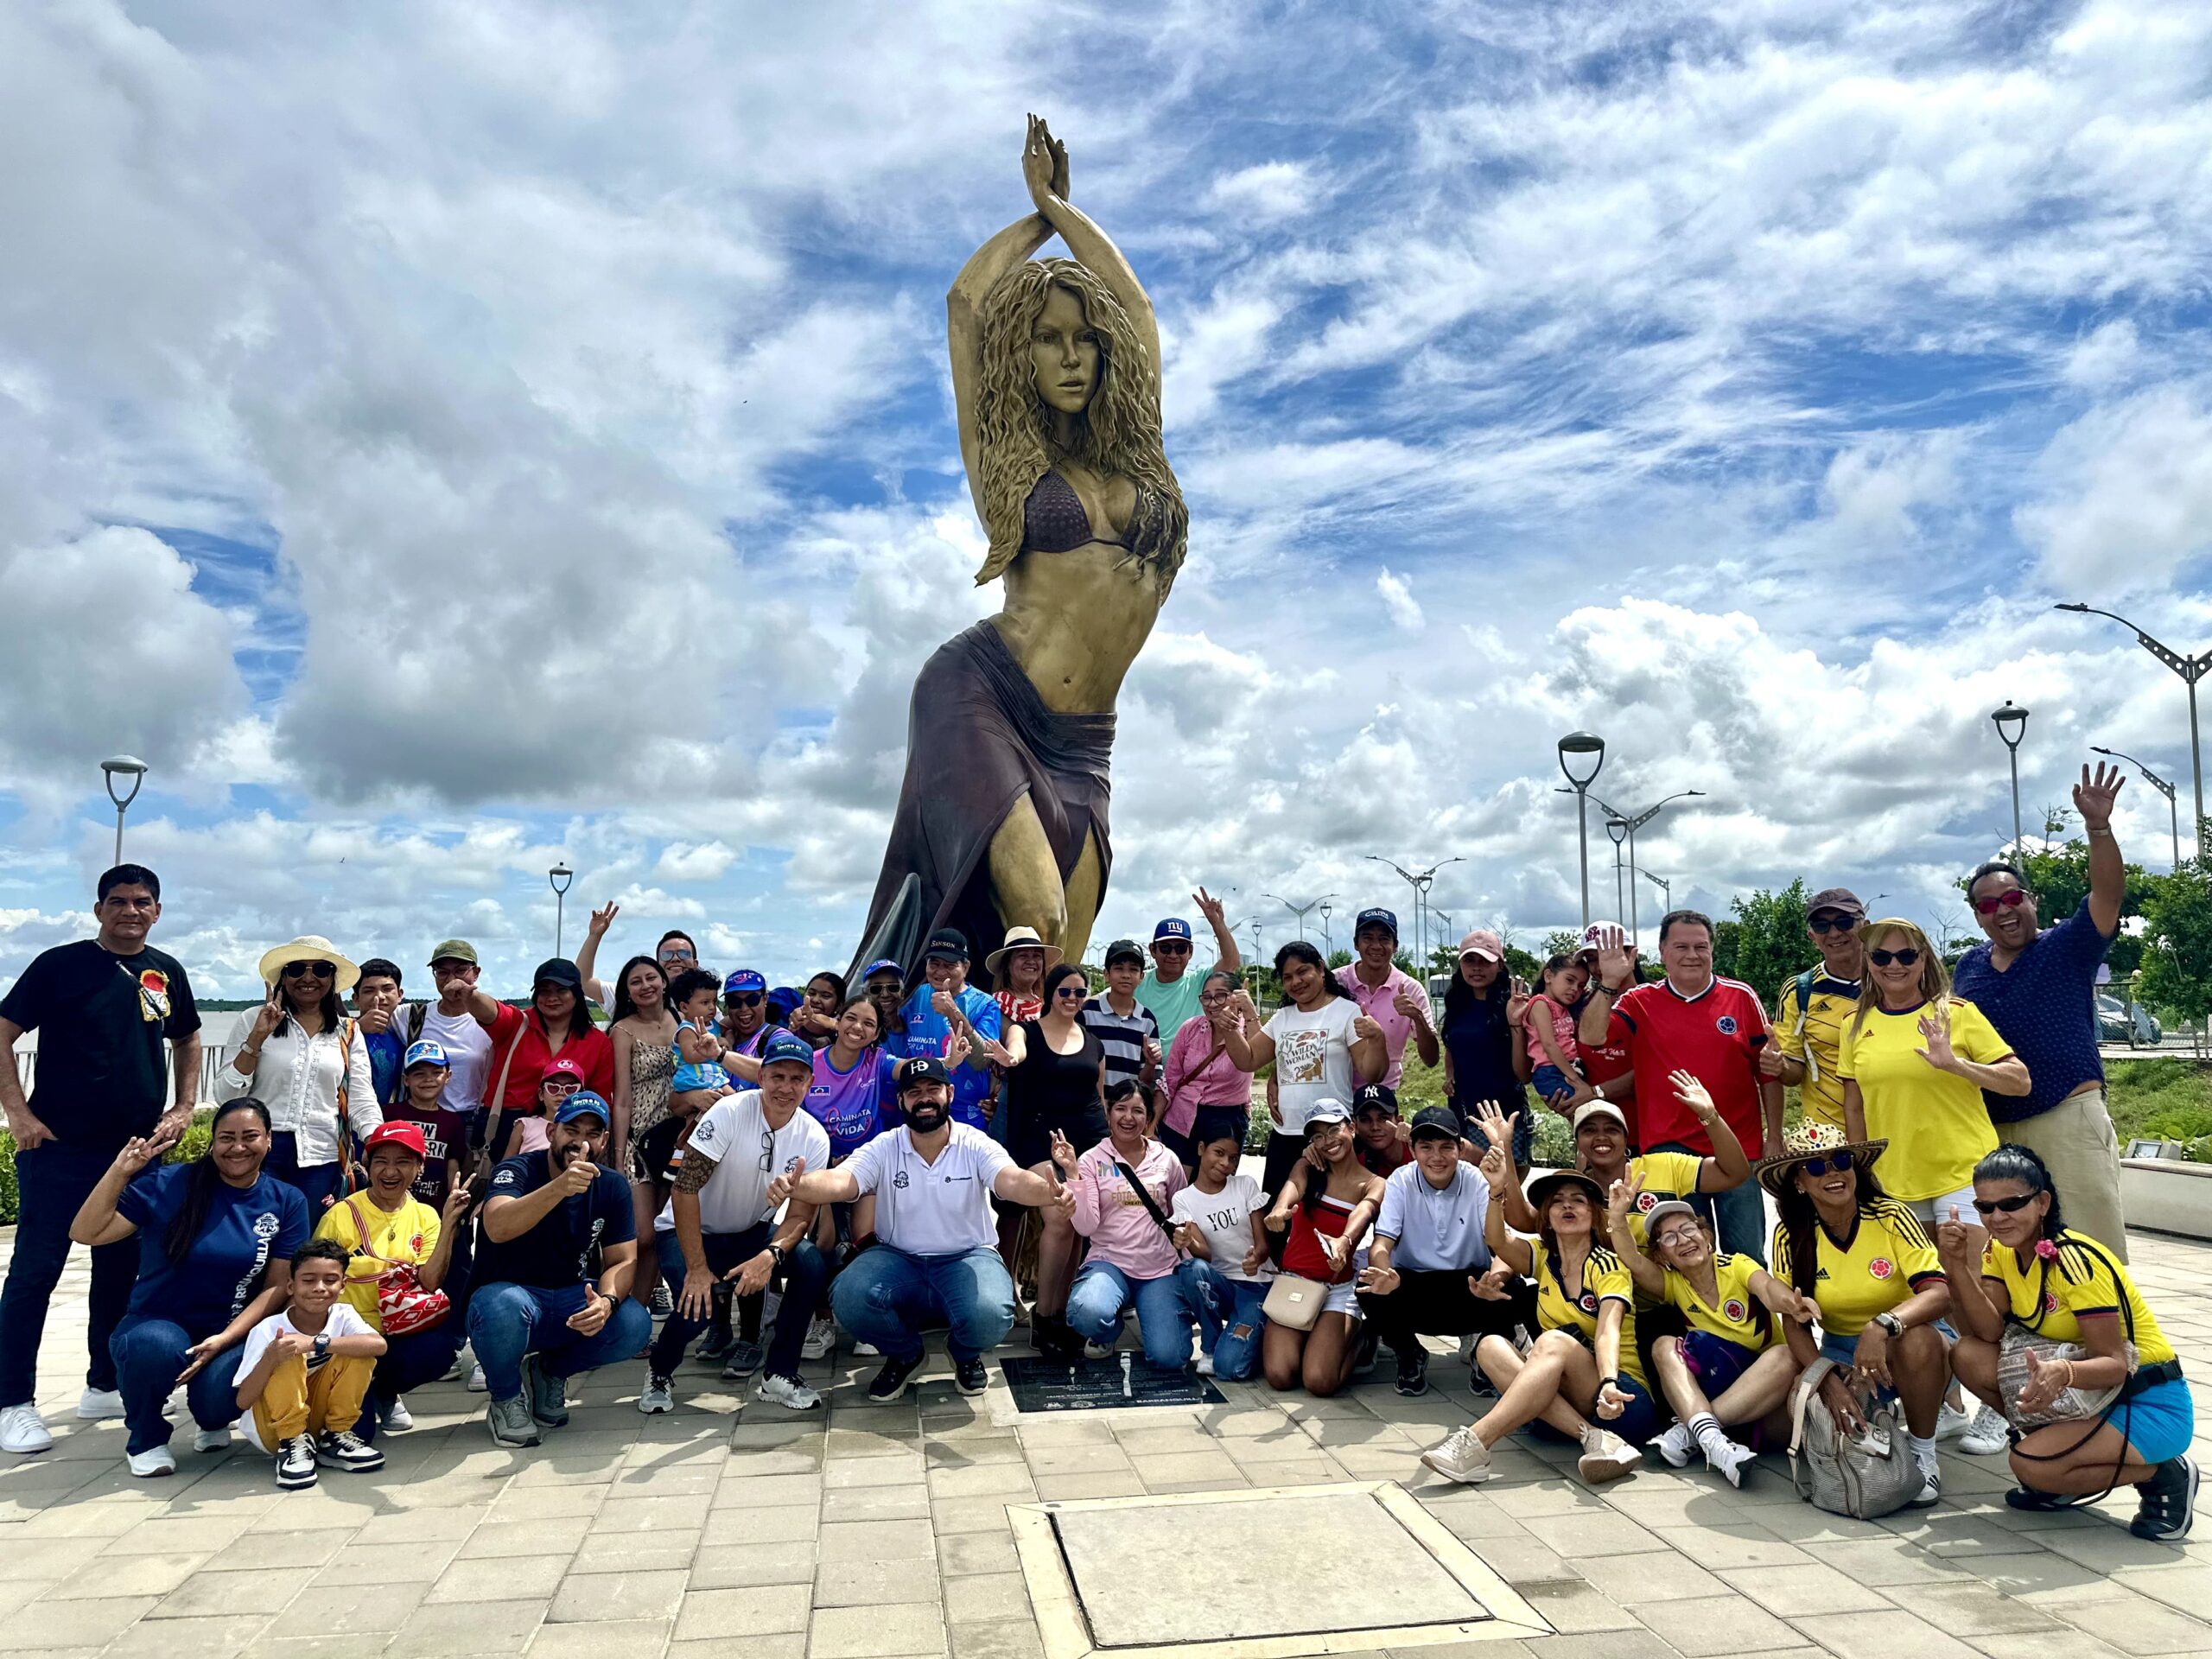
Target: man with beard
x=935, y=1256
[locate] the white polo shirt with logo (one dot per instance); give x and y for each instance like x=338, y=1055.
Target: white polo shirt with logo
x=932, y=1209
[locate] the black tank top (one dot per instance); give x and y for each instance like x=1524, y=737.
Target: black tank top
x=1050, y=1090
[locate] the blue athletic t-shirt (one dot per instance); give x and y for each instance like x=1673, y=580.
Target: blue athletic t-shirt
x=2044, y=1008
x=556, y=1254
x=246, y=1229
x=853, y=1106
x=926, y=1030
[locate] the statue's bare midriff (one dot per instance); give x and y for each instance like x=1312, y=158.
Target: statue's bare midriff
x=1075, y=621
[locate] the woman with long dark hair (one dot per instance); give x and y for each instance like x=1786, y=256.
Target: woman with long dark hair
x=302, y=1055
x=523, y=1045
x=1322, y=1046
x=215, y=1241
x=1859, y=1262
x=1206, y=1095
x=1327, y=1207
x=2075, y=1321
x=643, y=1034
x=1482, y=1061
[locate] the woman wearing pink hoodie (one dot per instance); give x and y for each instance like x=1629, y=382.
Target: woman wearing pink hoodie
x=1122, y=1188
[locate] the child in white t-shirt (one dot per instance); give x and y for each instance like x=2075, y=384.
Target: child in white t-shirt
x=1218, y=1227
x=304, y=1372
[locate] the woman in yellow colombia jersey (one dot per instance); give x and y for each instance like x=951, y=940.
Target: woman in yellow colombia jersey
x=2032, y=1273
x=1727, y=1367
x=1863, y=1265
x=1581, y=1378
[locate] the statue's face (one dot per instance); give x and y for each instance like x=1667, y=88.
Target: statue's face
x=1064, y=354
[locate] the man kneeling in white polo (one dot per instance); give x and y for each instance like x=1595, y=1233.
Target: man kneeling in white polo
x=936, y=1255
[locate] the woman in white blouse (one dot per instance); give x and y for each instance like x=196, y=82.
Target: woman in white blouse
x=305, y=1059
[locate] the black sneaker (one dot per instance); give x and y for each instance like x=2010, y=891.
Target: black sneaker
x=344, y=1449
x=1413, y=1373
x=891, y=1382
x=715, y=1346
x=2036, y=1502
x=295, y=1463
x=2169, y=1503
x=968, y=1377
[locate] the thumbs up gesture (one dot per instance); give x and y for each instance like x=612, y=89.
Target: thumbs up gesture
x=780, y=1188
x=1958, y=1242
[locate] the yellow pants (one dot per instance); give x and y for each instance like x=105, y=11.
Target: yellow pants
x=295, y=1402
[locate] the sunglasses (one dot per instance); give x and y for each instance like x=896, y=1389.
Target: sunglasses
x=1171, y=948
x=309, y=970
x=745, y=999
x=677, y=955
x=2011, y=899
x=1837, y=1163
x=1833, y=924
x=1992, y=1206
x=562, y=1086
x=1072, y=992
x=1904, y=958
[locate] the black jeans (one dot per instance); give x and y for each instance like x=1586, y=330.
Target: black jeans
x=805, y=1272
x=1439, y=1304
x=52, y=1183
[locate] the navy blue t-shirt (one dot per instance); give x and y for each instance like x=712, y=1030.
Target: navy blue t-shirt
x=246, y=1229
x=2044, y=1005
x=556, y=1254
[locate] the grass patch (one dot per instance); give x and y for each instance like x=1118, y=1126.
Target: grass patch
x=2168, y=1098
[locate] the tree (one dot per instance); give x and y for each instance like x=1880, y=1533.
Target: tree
x=1769, y=944
x=2176, y=946
x=1565, y=942
x=1727, y=941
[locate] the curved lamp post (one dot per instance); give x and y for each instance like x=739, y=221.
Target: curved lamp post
x=2191, y=670
x=558, y=878
x=2173, y=807
x=1577, y=750
x=119, y=767
x=2011, y=722
x=1617, y=827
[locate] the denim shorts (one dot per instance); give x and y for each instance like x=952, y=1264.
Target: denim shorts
x=2158, y=1423
x=1844, y=1351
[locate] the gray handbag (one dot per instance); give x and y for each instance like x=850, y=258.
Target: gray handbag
x=1865, y=1475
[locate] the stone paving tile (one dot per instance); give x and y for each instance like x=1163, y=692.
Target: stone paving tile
x=767, y=1609
x=1006, y=1639
x=1883, y=1636
x=878, y=1503
x=845, y=1586
x=1704, y=1626
x=641, y=1639
x=455, y=1628
x=619, y=1598
x=2137, y=1625
x=877, y=1632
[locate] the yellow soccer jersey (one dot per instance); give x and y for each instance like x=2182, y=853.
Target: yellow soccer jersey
x=1936, y=1122
x=1666, y=1175
x=1603, y=1276
x=2050, y=1296
x=1884, y=1261
x=1735, y=1314
x=1832, y=1002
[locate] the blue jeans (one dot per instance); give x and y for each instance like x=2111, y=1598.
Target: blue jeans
x=506, y=1321
x=1101, y=1292
x=150, y=1356
x=52, y=1183
x=1229, y=1321
x=887, y=1298
x=318, y=1183
x=1739, y=1215
x=805, y=1271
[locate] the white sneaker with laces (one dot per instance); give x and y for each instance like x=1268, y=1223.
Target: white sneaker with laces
x=867, y=1350
x=821, y=1338
x=657, y=1395
x=1676, y=1445
x=212, y=1439
x=788, y=1392
x=476, y=1382
x=1204, y=1366
x=1951, y=1422
x=155, y=1461
x=398, y=1420
x=21, y=1429
x=1987, y=1437
x=1460, y=1456
x=1607, y=1456
x=97, y=1405
x=1931, y=1489
x=1732, y=1460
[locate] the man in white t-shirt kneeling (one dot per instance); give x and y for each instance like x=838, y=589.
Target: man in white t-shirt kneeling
x=936, y=1256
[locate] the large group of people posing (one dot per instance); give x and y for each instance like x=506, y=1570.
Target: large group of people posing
x=747, y=1174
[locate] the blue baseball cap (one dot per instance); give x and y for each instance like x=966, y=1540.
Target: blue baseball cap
x=1377, y=916
x=785, y=1046
x=1174, y=927
x=881, y=965
x=745, y=979
x=787, y=996
x=583, y=1103
x=424, y=1052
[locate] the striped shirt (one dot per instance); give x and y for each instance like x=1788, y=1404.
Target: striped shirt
x=1123, y=1036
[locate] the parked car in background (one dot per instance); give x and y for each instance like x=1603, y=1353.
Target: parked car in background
x=2126, y=1022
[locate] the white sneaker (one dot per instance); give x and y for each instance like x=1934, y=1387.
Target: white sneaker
x=657, y=1395
x=148, y=1464
x=398, y=1420
x=476, y=1382
x=1931, y=1489
x=96, y=1405
x=821, y=1338
x=462, y=1358
x=21, y=1429
x=1676, y=1445
x=1731, y=1460
x=1204, y=1366
x=1951, y=1422
x=1097, y=1350
x=212, y=1439
x=867, y=1350
x=788, y=1392
x=1607, y=1456
x=1460, y=1456
x=1987, y=1438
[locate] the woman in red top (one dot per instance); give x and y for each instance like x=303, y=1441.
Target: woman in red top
x=1328, y=1212
x=523, y=1045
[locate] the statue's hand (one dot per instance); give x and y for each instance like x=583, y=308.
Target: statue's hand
x=1043, y=164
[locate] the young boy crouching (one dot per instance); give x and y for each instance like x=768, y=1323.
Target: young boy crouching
x=305, y=1371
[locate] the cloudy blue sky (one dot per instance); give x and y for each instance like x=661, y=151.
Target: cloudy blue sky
x=443, y=440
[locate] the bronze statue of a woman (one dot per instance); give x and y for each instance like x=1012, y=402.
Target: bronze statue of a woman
x=1002, y=817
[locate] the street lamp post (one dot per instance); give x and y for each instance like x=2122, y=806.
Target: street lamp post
x=2011, y=721
x=122, y=765
x=1617, y=827
x=1663, y=884
x=1635, y=821
x=2173, y=807
x=1328, y=939
x=1298, y=911
x=2191, y=670
x=558, y=878
x=1588, y=748
x=1421, y=881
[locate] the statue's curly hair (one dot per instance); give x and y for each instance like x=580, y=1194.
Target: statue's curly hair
x=1119, y=433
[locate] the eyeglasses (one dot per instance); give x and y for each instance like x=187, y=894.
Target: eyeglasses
x=767, y=1150
x=1830, y=922
x=1992, y=1206
x=1171, y=947
x=745, y=999
x=309, y=970
x=2011, y=899
x=676, y=954
x=1904, y=958
x=1837, y=1163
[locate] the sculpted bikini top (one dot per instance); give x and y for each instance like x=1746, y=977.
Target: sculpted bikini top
x=1054, y=520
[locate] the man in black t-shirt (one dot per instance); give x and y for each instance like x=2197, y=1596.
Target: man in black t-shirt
x=103, y=1008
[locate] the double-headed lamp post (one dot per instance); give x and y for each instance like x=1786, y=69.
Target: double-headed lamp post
x=2173, y=806
x=1579, y=750
x=2191, y=670
x=2012, y=720
x=1421, y=881
x=1299, y=910
x=558, y=878
x=121, y=766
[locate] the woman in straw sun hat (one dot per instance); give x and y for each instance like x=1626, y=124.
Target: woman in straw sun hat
x=305, y=1059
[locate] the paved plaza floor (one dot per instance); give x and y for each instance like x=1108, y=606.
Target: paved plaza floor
x=868, y=1532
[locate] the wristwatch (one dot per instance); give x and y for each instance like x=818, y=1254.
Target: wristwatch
x=778, y=1253
x=1891, y=1323
x=322, y=1344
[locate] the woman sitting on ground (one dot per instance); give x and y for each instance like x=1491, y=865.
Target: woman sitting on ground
x=1328, y=1209
x=1728, y=1367
x=1581, y=1378
x=1867, y=1274
x=1133, y=1259
x=2029, y=1275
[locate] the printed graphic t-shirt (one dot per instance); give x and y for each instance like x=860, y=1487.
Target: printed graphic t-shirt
x=246, y=1229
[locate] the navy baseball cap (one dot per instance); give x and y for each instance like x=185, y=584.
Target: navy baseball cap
x=1174, y=927
x=949, y=943
x=922, y=1068
x=785, y=1046
x=583, y=1103
x=1377, y=916
x=1124, y=950
x=881, y=965
x=1436, y=1123
x=1375, y=1097
x=558, y=970
x=745, y=979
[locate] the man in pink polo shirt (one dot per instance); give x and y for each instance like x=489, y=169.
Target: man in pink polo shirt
x=1386, y=994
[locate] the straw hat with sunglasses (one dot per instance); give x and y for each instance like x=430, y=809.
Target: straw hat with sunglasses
x=1818, y=1149
x=309, y=954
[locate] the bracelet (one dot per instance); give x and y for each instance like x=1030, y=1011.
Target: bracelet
x=2070, y=1372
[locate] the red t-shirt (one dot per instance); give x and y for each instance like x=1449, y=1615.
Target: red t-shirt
x=594, y=1050
x=1710, y=1037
